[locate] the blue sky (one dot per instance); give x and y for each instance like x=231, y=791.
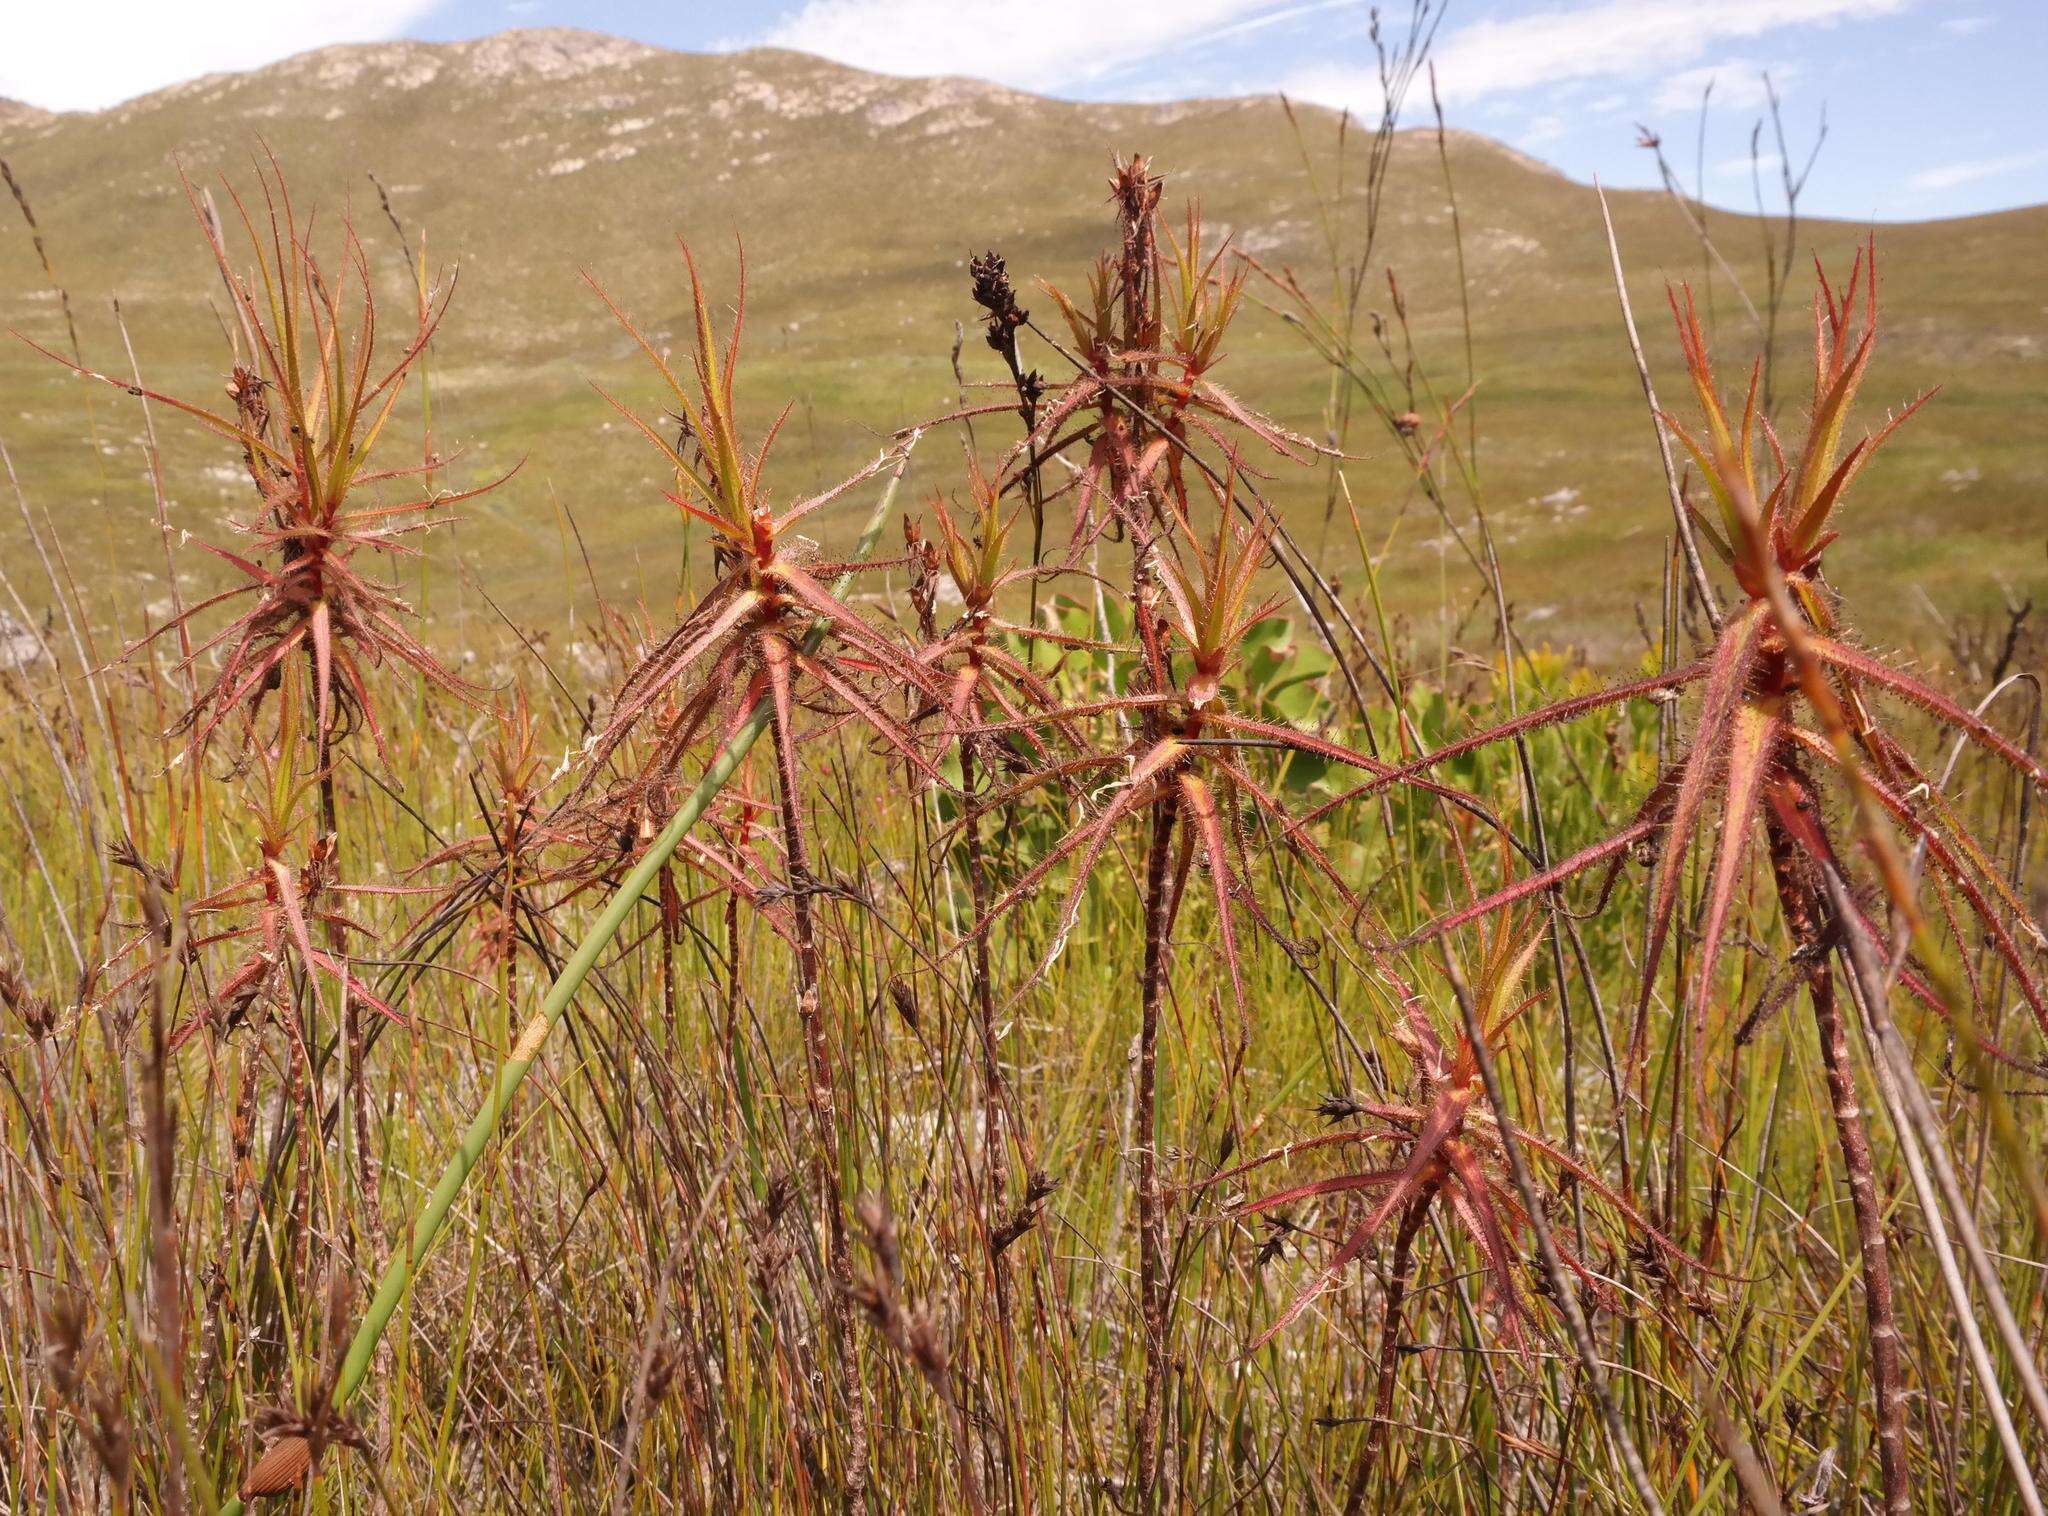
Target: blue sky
x=1934, y=107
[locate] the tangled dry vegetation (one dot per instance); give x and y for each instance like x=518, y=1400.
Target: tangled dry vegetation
x=1078, y=1013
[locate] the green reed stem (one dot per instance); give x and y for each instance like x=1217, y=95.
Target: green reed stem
x=404, y=1266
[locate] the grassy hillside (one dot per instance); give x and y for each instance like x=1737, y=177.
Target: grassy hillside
x=526, y=157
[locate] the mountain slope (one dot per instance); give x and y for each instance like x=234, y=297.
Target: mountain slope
x=529, y=156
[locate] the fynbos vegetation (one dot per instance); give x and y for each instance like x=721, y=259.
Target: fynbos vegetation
x=1082, y=1012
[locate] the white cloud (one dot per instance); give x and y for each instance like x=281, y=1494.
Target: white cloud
x=83, y=56
x=1963, y=26
x=1340, y=86
x=1952, y=175
x=1770, y=165
x=1738, y=85
x=1045, y=45
x=1273, y=18
x=1540, y=130
x=1625, y=39
x=1567, y=47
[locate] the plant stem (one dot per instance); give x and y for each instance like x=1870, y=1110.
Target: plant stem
x=1398, y=1272
x=1694, y=567
x=1922, y=1146
x=167, y=1307
x=360, y=1169
x=1877, y=1275
x=994, y=1101
x=825, y=1151
x=1153, y=1286
x=1563, y=1291
x=995, y=1154
x=1810, y=923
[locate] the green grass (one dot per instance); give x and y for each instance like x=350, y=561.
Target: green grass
x=512, y=1359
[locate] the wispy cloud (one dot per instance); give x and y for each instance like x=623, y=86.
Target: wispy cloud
x=1970, y=170
x=1767, y=164
x=83, y=57
x=1965, y=26
x=1738, y=85
x=1566, y=47
x=1271, y=18
x=1620, y=39
x=1042, y=45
